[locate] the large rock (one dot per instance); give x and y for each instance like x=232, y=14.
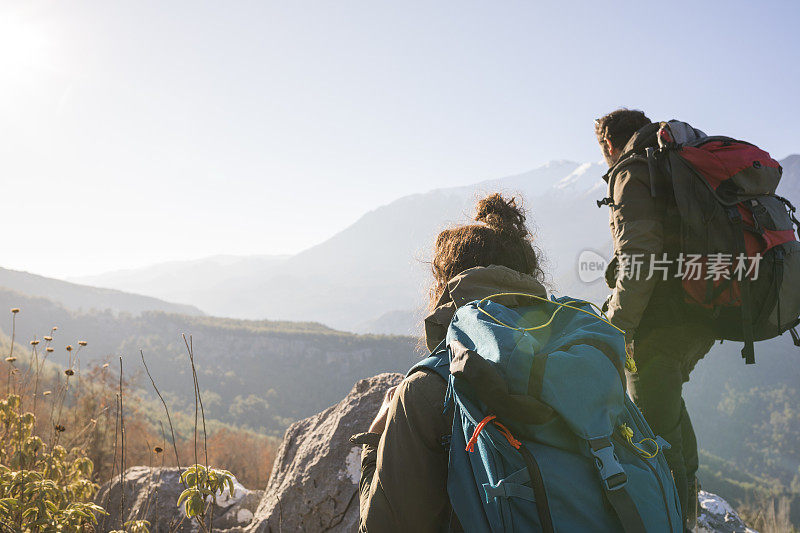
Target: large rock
x=314, y=481
x=717, y=516
x=152, y=494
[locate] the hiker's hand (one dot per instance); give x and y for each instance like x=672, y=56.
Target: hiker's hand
x=629, y=348
x=379, y=424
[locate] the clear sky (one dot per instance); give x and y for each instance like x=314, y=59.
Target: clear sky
x=138, y=132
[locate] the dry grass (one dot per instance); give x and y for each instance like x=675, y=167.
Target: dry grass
x=768, y=515
x=78, y=407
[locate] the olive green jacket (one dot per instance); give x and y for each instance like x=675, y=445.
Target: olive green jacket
x=403, y=486
x=637, y=230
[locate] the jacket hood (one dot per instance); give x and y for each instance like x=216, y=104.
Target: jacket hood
x=474, y=284
x=644, y=137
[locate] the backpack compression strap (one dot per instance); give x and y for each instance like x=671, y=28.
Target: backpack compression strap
x=748, y=352
x=614, y=480
x=542, y=505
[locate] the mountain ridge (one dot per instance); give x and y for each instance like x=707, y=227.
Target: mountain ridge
x=79, y=297
x=357, y=273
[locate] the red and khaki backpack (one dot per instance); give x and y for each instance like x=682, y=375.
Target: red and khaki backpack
x=718, y=196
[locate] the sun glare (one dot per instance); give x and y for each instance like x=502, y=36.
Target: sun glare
x=23, y=44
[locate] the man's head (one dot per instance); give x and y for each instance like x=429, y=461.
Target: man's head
x=615, y=130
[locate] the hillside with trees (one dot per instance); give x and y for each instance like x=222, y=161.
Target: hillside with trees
x=260, y=375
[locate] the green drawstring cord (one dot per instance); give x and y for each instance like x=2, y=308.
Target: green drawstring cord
x=627, y=433
x=630, y=364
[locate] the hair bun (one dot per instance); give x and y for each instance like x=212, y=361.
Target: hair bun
x=502, y=215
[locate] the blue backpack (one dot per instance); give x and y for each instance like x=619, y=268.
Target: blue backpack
x=545, y=437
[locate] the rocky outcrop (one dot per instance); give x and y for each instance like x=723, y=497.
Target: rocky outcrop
x=717, y=516
x=152, y=493
x=313, y=486
x=314, y=481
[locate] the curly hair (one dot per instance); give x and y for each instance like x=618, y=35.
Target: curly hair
x=500, y=238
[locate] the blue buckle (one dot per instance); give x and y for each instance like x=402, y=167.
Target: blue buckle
x=662, y=444
x=510, y=487
x=611, y=471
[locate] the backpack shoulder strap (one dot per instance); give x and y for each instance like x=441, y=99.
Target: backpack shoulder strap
x=438, y=362
x=614, y=480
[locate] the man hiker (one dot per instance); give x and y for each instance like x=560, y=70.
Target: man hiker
x=664, y=335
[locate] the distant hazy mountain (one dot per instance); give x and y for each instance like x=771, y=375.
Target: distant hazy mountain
x=194, y=282
x=400, y=322
x=362, y=277
x=790, y=184
x=377, y=264
x=84, y=298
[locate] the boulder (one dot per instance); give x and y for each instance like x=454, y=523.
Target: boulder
x=717, y=516
x=152, y=494
x=314, y=482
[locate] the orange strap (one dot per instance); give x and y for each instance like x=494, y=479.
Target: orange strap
x=503, y=430
x=507, y=434
x=478, y=429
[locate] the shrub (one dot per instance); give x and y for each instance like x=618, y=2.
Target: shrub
x=202, y=485
x=65, y=430
x=41, y=489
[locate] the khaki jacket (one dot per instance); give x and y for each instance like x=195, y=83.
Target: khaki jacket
x=403, y=484
x=637, y=229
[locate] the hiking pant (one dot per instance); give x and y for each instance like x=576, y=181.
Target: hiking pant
x=664, y=358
